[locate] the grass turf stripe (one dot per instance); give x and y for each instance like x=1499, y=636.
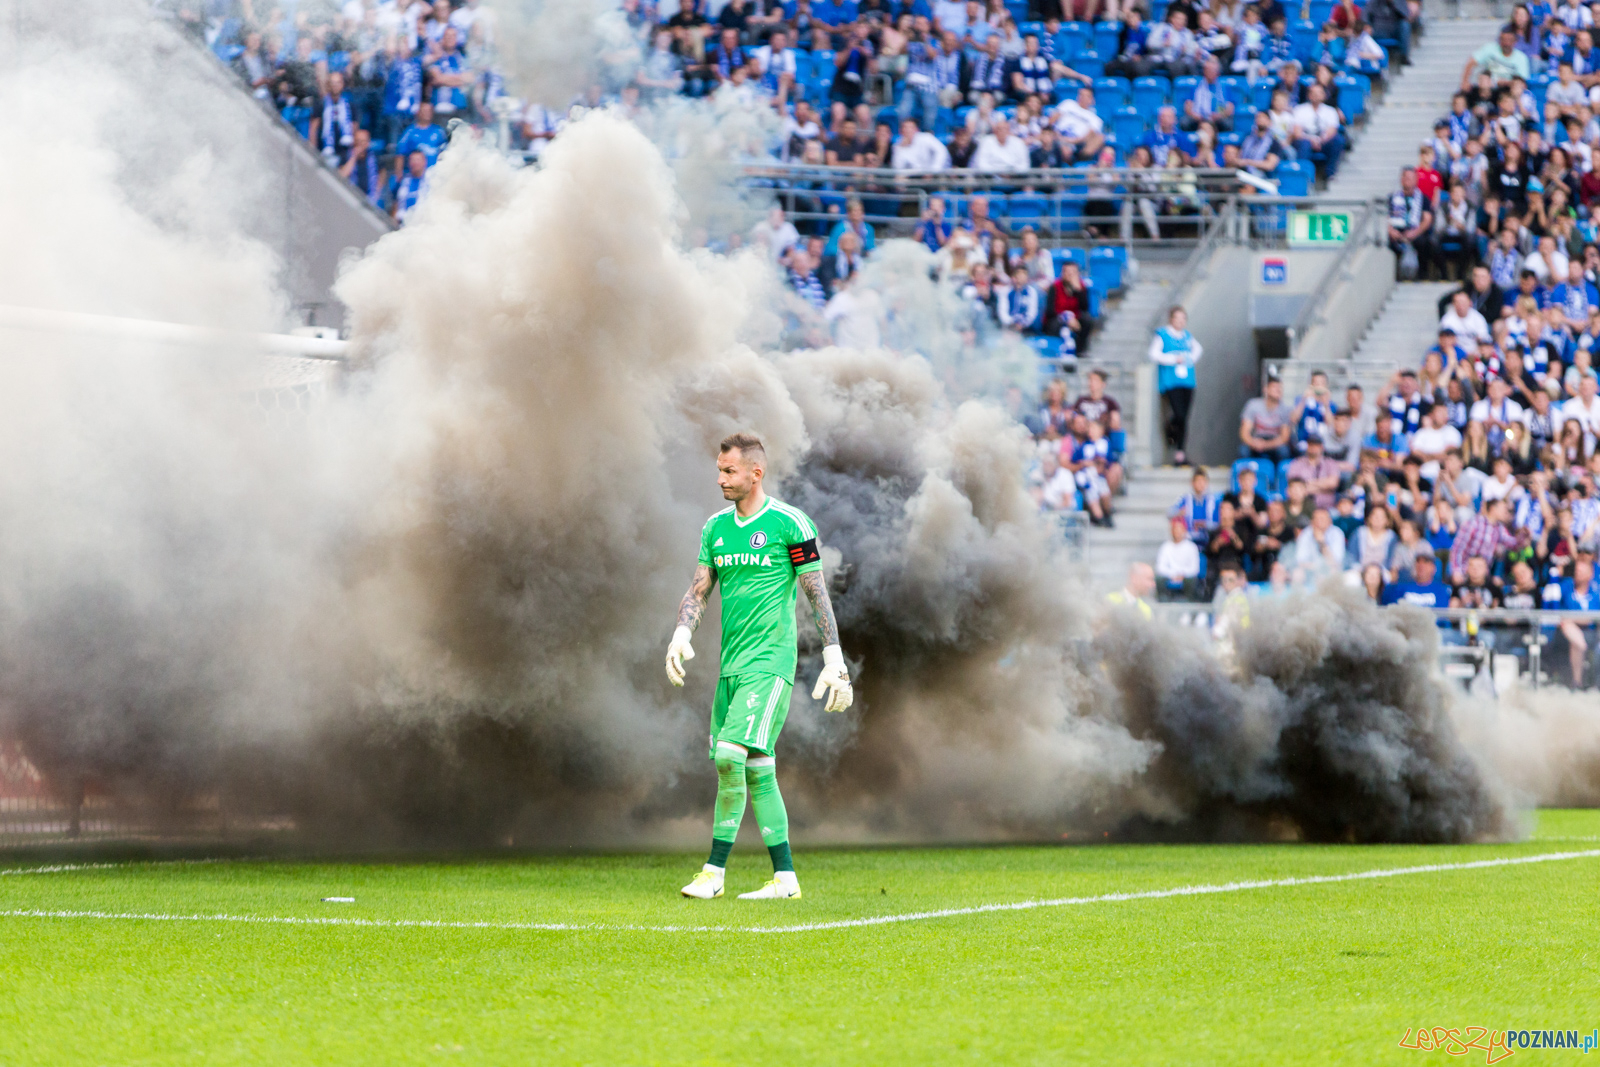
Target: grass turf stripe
x=838, y=924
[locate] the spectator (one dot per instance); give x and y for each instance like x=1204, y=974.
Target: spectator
x=1067, y=308
x=1485, y=535
x=1319, y=550
x=1272, y=537
x=1198, y=508
x=1410, y=227
x=1501, y=61
x=1208, y=103
x=1098, y=406
x=1319, y=134
x=775, y=233
x=1374, y=543
x=424, y=137
x=1178, y=565
x=918, y=151
x=412, y=186
x=1579, y=593
x=1000, y=151
x=1079, y=129
x=1226, y=546
x=1265, y=425
x=1321, y=474
x=1231, y=604
x=854, y=314
x=1434, y=440
x=1372, y=582
x=1166, y=138
x=1141, y=583
x=1176, y=351
x=362, y=170
x=804, y=281
x=854, y=221
x=1019, y=306
x=1423, y=588
x=1464, y=320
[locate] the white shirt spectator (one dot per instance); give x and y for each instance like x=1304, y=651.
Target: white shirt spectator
x=785, y=60
x=1177, y=561
x=1472, y=324
x=925, y=152
x=853, y=315
x=1509, y=413
x=1316, y=561
x=1060, y=491
x=778, y=239
x=1589, y=416
x=1495, y=489
x=1535, y=262
x=992, y=156
x=1316, y=120
x=1075, y=122
x=1567, y=94
x=1432, y=441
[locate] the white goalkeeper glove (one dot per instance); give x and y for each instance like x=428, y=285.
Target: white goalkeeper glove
x=679, y=650
x=834, y=679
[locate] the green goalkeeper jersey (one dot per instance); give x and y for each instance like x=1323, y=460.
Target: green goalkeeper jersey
x=758, y=562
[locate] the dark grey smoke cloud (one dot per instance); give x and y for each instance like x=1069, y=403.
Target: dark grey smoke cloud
x=433, y=613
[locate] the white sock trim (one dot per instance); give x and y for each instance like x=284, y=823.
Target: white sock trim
x=728, y=748
x=761, y=761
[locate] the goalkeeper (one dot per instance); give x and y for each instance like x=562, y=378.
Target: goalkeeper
x=758, y=549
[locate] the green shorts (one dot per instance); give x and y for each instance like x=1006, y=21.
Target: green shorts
x=749, y=711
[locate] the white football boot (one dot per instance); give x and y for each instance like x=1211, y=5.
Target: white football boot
x=706, y=885
x=784, y=886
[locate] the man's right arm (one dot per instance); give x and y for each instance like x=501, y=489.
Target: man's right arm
x=695, y=600
x=690, y=609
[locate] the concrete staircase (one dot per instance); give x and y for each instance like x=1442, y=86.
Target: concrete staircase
x=1417, y=95
x=1141, y=524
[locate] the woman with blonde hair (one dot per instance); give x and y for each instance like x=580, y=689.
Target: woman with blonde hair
x=1475, y=448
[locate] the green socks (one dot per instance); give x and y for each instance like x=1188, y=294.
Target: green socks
x=738, y=777
x=761, y=776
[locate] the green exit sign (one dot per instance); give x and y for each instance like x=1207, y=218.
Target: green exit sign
x=1318, y=227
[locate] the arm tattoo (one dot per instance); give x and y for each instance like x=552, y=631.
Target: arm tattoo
x=694, y=601
x=821, y=607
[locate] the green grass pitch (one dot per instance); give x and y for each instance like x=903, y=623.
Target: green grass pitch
x=1331, y=972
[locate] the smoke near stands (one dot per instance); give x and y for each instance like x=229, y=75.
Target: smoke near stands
x=434, y=613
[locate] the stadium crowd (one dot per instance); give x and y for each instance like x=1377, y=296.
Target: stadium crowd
x=996, y=86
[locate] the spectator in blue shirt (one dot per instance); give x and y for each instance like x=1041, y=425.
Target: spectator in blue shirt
x=834, y=12
x=1166, y=136
x=362, y=170
x=449, y=77
x=402, y=92
x=411, y=188
x=932, y=229
x=423, y=137
x=1425, y=590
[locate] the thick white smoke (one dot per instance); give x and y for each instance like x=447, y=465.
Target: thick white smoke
x=434, y=612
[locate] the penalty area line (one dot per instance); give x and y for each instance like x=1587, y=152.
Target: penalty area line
x=837, y=924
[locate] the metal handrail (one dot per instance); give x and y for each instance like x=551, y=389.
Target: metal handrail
x=1311, y=312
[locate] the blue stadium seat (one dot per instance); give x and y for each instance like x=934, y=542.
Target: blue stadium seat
x=1149, y=94
x=1230, y=138
x=1018, y=10
x=1266, y=473
x=1089, y=64
x=1106, y=37
x=1158, y=11
x=1069, y=43
x=1182, y=90
x=1034, y=28
x=1096, y=297
x=1067, y=213
x=1059, y=256
x=1028, y=209
x=999, y=205
x=1236, y=89
x=1105, y=269
x=1539, y=85
x=1116, y=92
x=1119, y=442
x=1261, y=94
x=1047, y=346
x=1128, y=126
x=1304, y=35
x=822, y=64
x=1352, y=100
x=944, y=123
x=1282, y=488
x=1294, y=177
x=1321, y=12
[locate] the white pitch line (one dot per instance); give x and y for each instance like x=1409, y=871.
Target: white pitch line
x=63, y=867
x=838, y=924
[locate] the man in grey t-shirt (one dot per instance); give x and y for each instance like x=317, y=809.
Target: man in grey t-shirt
x=1265, y=425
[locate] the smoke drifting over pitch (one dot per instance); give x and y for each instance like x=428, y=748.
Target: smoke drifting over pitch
x=435, y=613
